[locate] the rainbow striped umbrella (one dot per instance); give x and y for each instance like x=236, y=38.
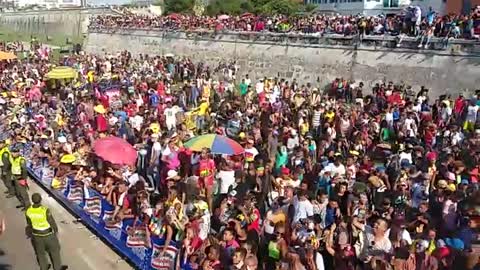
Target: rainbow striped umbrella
x=216, y=143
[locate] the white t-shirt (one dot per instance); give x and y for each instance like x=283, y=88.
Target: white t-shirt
x=472, y=113
x=157, y=150
x=170, y=115
x=377, y=249
x=405, y=235
x=136, y=122
x=251, y=152
x=227, y=179
x=303, y=209
x=132, y=178
x=108, y=66
x=121, y=198
x=389, y=117
x=204, y=226
x=259, y=87
x=410, y=127
x=292, y=143
x=334, y=170
x=407, y=156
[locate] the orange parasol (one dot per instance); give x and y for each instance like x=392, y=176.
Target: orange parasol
x=7, y=56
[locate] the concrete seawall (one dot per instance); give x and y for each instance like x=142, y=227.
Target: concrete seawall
x=441, y=71
x=71, y=22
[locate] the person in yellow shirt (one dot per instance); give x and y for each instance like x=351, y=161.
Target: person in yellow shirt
x=330, y=115
x=202, y=111
x=206, y=92
x=304, y=126
x=90, y=76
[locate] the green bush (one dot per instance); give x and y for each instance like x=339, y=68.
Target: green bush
x=267, y=7
x=179, y=6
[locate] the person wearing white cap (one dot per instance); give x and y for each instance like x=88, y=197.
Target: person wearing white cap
x=250, y=151
x=172, y=175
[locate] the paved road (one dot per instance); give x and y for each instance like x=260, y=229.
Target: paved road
x=81, y=250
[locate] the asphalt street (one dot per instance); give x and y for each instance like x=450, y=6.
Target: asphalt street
x=81, y=249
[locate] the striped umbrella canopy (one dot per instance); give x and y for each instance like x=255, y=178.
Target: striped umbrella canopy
x=7, y=56
x=62, y=73
x=216, y=143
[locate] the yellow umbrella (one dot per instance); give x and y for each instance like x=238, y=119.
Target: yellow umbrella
x=62, y=73
x=7, y=56
x=66, y=159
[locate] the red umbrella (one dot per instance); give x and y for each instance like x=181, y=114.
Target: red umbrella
x=115, y=150
x=174, y=16
x=247, y=15
x=223, y=17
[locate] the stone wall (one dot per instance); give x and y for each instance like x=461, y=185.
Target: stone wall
x=440, y=70
x=71, y=23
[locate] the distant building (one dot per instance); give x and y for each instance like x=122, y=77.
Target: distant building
x=375, y=7
x=142, y=3
x=7, y=4
x=47, y=3
x=461, y=6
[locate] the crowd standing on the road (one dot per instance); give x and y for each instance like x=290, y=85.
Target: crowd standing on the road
x=412, y=22
x=347, y=177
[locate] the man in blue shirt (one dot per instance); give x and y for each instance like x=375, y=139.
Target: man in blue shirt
x=332, y=212
x=154, y=99
x=430, y=16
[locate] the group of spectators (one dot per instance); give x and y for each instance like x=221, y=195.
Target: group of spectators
x=412, y=23
x=348, y=177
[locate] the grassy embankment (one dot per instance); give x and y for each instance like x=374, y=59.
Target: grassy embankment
x=58, y=42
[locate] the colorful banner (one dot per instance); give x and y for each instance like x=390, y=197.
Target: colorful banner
x=111, y=93
x=163, y=258
x=75, y=193
x=133, y=241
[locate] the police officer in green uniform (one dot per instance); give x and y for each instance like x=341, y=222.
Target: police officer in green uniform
x=42, y=230
x=6, y=169
x=19, y=177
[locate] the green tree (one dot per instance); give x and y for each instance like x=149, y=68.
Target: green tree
x=287, y=7
x=229, y=7
x=259, y=3
x=179, y=6
x=247, y=6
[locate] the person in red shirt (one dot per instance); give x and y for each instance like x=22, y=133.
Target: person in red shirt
x=459, y=105
x=131, y=109
x=101, y=121
x=474, y=174
x=161, y=89
x=430, y=135
x=395, y=98
x=206, y=172
x=104, y=100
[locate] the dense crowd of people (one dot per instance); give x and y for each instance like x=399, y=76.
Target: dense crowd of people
x=412, y=22
x=348, y=177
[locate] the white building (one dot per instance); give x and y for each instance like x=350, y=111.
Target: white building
x=374, y=7
x=48, y=3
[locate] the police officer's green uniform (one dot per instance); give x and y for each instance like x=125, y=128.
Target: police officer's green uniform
x=19, y=177
x=6, y=169
x=42, y=229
